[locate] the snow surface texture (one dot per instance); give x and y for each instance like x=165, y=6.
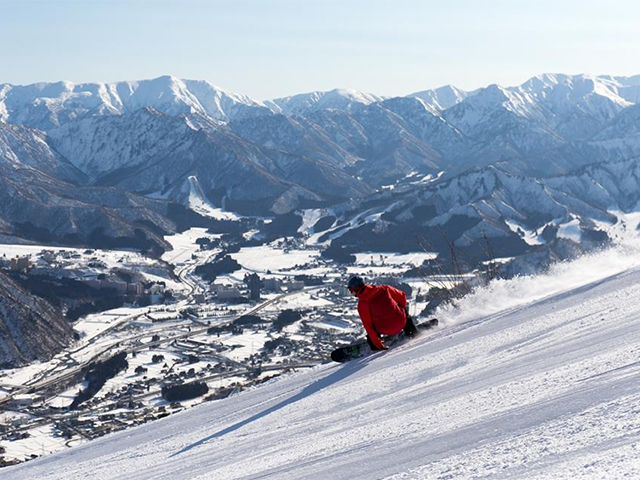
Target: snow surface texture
x=529, y=378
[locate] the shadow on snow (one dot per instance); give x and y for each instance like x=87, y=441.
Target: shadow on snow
x=338, y=375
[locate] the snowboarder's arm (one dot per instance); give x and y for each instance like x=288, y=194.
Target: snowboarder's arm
x=368, y=326
x=398, y=296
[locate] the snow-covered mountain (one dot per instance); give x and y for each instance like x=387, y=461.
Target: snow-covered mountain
x=379, y=143
x=238, y=175
x=442, y=98
x=527, y=378
x=541, y=127
x=390, y=146
x=100, y=145
x=488, y=105
x=317, y=149
x=577, y=106
x=538, y=128
x=554, y=217
x=339, y=99
x=22, y=147
x=619, y=138
x=43, y=197
x=296, y=135
x=49, y=105
x=154, y=154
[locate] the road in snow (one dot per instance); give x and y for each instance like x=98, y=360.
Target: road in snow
x=546, y=389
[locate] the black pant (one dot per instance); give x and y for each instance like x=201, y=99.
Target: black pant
x=409, y=327
x=409, y=330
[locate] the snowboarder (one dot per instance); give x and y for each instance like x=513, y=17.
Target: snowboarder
x=383, y=310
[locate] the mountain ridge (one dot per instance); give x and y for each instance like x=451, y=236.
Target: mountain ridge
x=150, y=137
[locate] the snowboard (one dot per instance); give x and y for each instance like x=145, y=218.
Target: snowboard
x=362, y=349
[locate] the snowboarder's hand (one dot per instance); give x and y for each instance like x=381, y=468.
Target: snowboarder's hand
x=384, y=347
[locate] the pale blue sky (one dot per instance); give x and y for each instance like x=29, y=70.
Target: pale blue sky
x=272, y=48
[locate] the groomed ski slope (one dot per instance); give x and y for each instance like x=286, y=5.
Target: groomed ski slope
x=530, y=378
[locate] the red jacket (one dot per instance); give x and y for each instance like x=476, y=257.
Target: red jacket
x=381, y=309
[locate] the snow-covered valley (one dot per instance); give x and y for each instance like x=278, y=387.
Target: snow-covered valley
x=528, y=378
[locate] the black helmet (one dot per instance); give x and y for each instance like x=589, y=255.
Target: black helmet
x=355, y=282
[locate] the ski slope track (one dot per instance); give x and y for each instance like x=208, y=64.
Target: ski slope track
x=548, y=389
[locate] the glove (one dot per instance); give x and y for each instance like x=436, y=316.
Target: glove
x=384, y=347
x=374, y=347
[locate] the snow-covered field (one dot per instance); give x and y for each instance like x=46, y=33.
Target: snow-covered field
x=274, y=258
x=71, y=259
x=111, y=258
x=530, y=378
x=184, y=246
